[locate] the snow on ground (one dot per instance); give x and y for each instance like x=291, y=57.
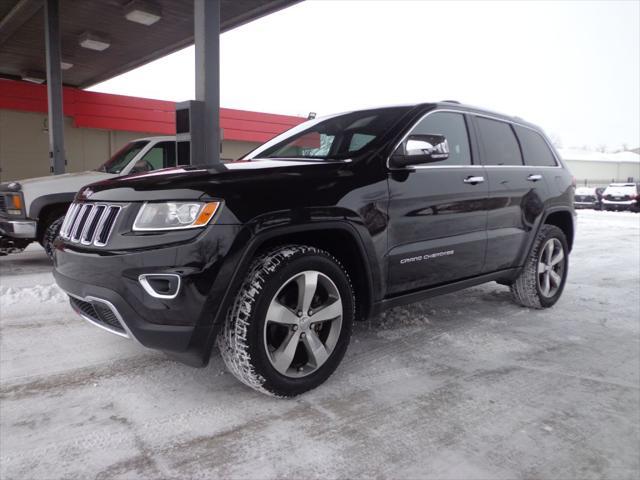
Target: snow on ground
x=467, y=385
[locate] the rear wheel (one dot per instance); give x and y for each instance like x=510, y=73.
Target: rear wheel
x=290, y=324
x=543, y=277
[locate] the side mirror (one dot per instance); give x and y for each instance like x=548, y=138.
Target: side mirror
x=419, y=149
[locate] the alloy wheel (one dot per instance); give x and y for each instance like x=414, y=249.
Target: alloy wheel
x=551, y=266
x=303, y=324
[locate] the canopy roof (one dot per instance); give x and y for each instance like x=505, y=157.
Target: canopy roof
x=22, y=35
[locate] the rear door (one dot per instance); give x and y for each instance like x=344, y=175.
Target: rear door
x=516, y=191
x=437, y=216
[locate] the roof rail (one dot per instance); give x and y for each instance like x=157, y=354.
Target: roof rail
x=451, y=101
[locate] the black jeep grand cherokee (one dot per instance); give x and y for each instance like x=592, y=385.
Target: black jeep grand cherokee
x=274, y=256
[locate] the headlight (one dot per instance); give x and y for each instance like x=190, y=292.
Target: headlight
x=13, y=203
x=174, y=215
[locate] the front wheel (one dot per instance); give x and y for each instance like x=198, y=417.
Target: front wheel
x=51, y=232
x=542, y=280
x=290, y=323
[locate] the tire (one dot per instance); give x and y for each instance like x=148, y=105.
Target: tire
x=266, y=317
x=50, y=233
x=531, y=289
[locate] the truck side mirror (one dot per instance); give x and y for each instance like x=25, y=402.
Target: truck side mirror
x=418, y=149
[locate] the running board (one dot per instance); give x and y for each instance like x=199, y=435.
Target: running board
x=420, y=295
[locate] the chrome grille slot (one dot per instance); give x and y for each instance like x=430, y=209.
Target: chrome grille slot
x=92, y=224
x=80, y=223
x=89, y=223
x=104, y=230
x=69, y=220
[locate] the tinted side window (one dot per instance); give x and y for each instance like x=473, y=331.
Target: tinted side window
x=454, y=128
x=535, y=149
x=500, y=143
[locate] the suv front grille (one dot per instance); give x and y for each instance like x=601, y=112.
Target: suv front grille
x=97, y=313
x=89, y=223
x=3, y=204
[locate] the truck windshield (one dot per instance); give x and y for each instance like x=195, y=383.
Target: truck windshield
x=332, y=138
x=121, y=159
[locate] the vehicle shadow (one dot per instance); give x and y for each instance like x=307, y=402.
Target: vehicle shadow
x=33, y=260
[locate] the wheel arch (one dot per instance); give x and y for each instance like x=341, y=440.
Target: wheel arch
x=564, y=220
x=43, y=207
x=344, y=243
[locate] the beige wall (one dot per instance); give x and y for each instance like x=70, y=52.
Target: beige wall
x=24, y=145
x=602, y=173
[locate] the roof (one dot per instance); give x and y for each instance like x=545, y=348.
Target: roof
x=120, y=112
x=581, y=155
x=22, y=41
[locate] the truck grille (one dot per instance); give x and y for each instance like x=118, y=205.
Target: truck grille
x=3, y=204
x=98, y=313
x=89, y=223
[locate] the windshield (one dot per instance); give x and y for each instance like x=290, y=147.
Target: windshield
x=335, y=137
x=121, y=159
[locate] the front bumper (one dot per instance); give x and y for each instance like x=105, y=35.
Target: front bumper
x=585, y=204
x=18, y=228
x=93, y=303
x=620, y=205
x=105, y=288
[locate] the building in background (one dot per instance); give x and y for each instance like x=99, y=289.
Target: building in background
x=599, y=169
x=97, y=125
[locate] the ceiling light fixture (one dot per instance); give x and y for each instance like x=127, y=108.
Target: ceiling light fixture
x=93, y=41
x=144, y=12
x=65, y=65
x=33, y=76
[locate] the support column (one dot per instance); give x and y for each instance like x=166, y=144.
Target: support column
x=206, y=19
x=57, y=156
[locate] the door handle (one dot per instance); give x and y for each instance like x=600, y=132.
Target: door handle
x=473, y=180
x=534, y=177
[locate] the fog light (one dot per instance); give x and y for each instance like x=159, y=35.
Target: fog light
x=161, y=285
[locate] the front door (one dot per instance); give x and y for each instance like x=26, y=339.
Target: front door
x=437, y=212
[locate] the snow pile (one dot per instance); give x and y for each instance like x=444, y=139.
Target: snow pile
x=31, y=295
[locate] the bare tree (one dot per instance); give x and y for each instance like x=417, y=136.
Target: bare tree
x=555, y=140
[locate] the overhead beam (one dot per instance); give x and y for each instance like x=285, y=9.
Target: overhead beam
x=54, y=86
x=17, y=16
x=206, y=17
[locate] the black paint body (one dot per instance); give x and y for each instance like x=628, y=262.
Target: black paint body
x=383, y=215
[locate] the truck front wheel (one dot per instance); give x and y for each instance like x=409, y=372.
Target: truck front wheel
x=51, y=231
x=290, y=323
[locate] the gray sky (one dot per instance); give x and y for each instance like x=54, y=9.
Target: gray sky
x=572, y=67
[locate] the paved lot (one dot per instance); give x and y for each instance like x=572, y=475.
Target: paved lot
x=467, y=385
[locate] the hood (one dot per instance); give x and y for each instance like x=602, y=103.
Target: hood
x=89, y=175
x=190, y=182
x=68, y=183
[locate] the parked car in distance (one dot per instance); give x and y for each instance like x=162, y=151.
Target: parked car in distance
x=33, y=209
x=273, y=257
x=588, y=197
x=621, y=196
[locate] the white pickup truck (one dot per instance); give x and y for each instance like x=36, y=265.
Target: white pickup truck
x=33, y=209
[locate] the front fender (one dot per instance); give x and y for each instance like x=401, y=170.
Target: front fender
x=248, y=241
x=39, y=203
